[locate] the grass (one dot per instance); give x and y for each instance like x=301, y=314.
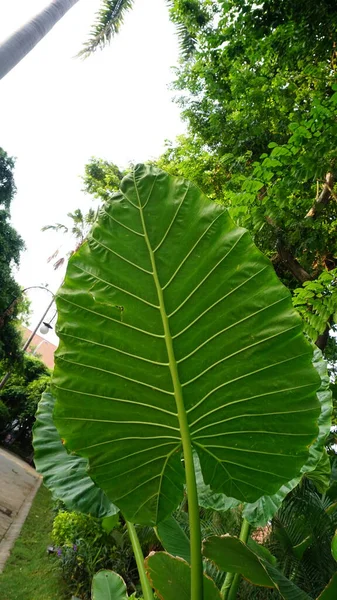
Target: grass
x=30, y=573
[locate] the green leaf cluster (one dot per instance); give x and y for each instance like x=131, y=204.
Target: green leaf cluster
x=11, y=245
x=259, y=98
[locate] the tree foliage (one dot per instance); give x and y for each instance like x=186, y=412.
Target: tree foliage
x=11, y=245
x=101, y=178
x=19, y=400
x=259, y=95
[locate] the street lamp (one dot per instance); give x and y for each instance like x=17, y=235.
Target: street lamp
x=45, y=326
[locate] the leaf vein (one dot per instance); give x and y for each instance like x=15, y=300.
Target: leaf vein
x=238, y=352
x=112, y=285
x=73, y=362
x=173, y=219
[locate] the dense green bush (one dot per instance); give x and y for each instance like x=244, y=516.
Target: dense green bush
x=84, y=548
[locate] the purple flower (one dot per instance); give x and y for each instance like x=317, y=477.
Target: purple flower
x=59, y=552
x=75, y=548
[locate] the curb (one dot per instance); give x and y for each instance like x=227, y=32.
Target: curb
x=13, y=532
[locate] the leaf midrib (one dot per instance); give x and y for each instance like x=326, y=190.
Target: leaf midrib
x=196, y=559
x=173, y=367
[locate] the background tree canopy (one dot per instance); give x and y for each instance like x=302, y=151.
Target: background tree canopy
x=19, y=400
x=259, y=94
x=11, y=245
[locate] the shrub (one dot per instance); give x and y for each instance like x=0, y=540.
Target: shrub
x=84, y=548
x=71, y=527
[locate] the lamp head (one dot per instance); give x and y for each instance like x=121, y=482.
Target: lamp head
x=45, y=327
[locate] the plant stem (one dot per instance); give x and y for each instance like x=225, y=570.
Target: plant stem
x=226, y=586
x=146, y=588
x=194, y=521
x=244, y=535
x=197, y=592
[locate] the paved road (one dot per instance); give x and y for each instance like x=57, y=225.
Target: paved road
x=18, y=484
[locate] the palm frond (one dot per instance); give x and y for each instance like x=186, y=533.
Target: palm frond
x=91, y=216
x=108, y=21
x=189, y=18
x=304, y=515
x=56, y=227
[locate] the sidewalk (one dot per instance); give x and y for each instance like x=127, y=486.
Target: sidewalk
x=18, y=485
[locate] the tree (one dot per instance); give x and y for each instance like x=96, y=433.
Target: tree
x=101, y=179
x=108, y=21
x=259, y=96
x=19, y=400
x=11, y=245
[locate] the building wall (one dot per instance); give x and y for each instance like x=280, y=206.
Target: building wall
x=40, y=347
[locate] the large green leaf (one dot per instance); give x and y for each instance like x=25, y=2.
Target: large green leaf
x=231, y=555
x=108, y=585
x=317, y=466
x=168, y=310
x=171, y=578
x=65, y=474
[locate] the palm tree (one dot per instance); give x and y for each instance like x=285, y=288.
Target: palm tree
x=108, y=21
x=111, y=16
x=20, y=43
x=79, y=229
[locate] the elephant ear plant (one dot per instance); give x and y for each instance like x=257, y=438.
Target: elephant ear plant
x=176, y=337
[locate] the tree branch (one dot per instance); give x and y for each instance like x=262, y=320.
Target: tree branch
x=322, y=339
x=323, y=198
x=292, y=263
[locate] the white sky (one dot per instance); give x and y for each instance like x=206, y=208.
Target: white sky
x=58, y=111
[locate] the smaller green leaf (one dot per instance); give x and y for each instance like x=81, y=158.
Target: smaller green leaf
x=260, y=512
x=331, y=509
x=330, y=592
x=252, y=185
x=171, y=578
x=334, y=546
x=321, y=475
x=261, y=551
x=108, y=585
x=300, y=548
x=287, y=589
x=231, y=555
x=109, y=523
x=334, y=98
x=173, y=538
x=280, y=151
x=207, y=498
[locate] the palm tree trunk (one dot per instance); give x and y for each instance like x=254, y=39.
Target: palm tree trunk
x=20, y=43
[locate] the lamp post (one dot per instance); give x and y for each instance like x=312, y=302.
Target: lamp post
x=44, y=329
